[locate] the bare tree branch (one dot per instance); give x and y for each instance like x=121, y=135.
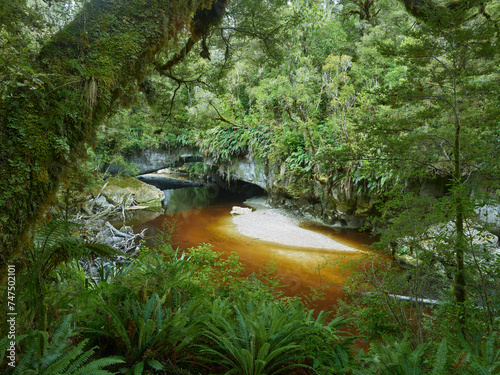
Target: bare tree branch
x=222, y=118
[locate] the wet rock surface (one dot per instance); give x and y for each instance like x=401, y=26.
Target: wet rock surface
x=164, y=182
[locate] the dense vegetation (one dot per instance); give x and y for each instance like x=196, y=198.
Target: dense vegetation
x=368, y=96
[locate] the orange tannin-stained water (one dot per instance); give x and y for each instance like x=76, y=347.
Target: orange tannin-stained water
x=299, y=268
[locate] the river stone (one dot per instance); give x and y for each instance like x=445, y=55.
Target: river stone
x=119, y=190
x=240, y=210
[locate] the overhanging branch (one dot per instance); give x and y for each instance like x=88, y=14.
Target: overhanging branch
x=203, y=21
x=222, y=118
x=441, y=16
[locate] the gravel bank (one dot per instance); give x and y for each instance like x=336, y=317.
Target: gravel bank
x=279, y=226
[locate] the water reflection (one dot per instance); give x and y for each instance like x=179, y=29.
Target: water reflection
x=177, y=200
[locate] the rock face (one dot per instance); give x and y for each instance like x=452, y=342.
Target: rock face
x=250, y=171
x=320, y=199
x=165, y=182
x=490, y=214
x=323, y=202
x=152, y=159
x=121, y=190
x=482, y=246
x=329, y=204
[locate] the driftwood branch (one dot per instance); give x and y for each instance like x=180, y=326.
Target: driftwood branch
x=128, y=241
x=101, y=269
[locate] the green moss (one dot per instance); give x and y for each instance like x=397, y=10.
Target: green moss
x=123, y=182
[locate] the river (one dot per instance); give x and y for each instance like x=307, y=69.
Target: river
x=202, y=215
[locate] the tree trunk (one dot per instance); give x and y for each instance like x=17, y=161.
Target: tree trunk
x=459, y=285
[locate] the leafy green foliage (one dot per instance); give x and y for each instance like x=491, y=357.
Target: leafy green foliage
x=57, y=354
x=224, y=144
x=253, y=339
x=339, y=110
x=47, y=123
x=53, y=245
x=268, y=337
x=483, y=356
x=140, y=330
x=399, y=358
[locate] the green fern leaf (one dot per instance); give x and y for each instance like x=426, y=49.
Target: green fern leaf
x=155, y=364
x=81, y=359
x=139, y=368
x=440, y=362
x=95, y=367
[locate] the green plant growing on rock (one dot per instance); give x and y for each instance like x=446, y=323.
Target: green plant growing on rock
x=96, y=59
x=431, y=125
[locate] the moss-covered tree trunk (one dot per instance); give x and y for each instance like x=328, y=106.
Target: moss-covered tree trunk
x=459, y=284
x=44, y=125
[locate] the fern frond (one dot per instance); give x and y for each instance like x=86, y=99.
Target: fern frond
x=150, y=305
x=60, y=337
x=83, y=357
x=96, y=367
x=61, y=360
x=52, y=231
x=5, y=344
x=31, y=351
x=57, y=357
x=441, y=359
x=484, y=357
x=139, y=368
x=155, y=364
